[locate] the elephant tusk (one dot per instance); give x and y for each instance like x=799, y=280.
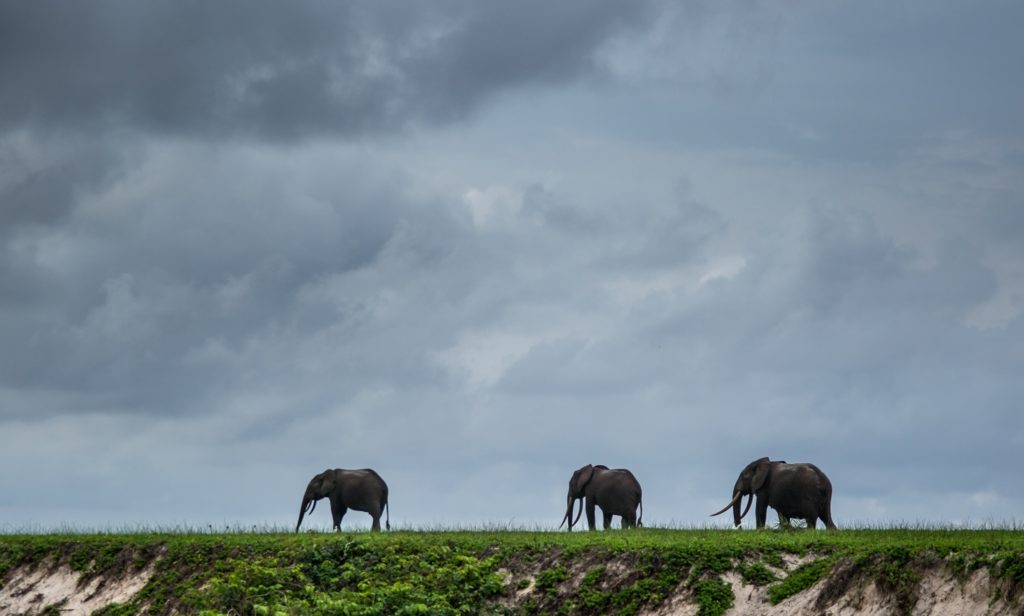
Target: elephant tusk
x=578, y=515
x=749, y=502
x=735, y=497
x=564, y=518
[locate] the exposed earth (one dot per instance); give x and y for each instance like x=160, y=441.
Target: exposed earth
x=55, y=588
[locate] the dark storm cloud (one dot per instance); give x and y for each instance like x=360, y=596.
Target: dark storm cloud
x=646, y=270
x=176, y=268
x=39, y=182
x=284, y=70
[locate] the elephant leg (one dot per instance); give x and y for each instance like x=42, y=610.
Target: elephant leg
x=812, y=522
x=591, y=523
x=629, y=520
x=761, y=510
x=375, y=514
x=784, y=522
x=337, y=513
x=607, y=520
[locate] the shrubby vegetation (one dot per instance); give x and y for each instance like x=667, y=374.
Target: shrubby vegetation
x=505, y=572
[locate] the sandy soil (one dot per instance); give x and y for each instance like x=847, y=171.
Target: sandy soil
x=30, y=591
x=939, y=594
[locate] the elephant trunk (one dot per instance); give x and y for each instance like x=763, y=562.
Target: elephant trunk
x=736, y=515
x=306, y=500
x=569, y=503
x=579, y=514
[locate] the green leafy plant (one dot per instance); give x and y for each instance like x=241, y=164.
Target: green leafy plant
x=800, y=579
x=549, y=579
x=714, y=597
x=757, y=574
x=457, y=572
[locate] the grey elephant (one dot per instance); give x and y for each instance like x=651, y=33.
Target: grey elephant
x=615, y=491
x=359, y=490
x=792, y=490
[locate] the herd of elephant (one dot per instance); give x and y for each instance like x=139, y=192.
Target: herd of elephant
x=798, y=491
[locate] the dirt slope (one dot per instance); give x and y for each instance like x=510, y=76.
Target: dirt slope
x=31, y=590
x=242, y=575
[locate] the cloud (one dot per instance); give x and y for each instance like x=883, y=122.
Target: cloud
x=265, y=70
x=178, y=259
x=266, y=313
x=227, y=265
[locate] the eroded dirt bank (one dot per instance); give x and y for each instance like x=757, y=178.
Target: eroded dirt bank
x=507, y=574
x=59, y=589
x=50, y=587
x=872, y=586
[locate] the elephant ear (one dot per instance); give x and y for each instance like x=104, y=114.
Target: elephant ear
x=323, y=483
x=761, y=474
x=583, y=477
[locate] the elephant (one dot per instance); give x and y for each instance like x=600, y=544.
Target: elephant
x=793, y=490
x=615, y=491
x=360, y=490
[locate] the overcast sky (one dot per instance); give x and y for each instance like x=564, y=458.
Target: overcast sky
x=476, y=245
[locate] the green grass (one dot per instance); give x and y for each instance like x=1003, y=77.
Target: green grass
x=480, y=571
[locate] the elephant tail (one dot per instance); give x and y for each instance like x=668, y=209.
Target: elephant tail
x=640, y=518
x=827, y=515
x=387, y=518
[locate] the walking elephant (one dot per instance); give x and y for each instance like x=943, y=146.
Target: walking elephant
x=615, y=491
x=792, y=490
x=359, y=490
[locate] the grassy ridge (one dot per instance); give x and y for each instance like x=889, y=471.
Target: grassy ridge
x=488, y=572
